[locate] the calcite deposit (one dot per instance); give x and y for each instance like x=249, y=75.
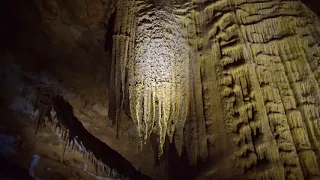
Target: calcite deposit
x=173, y=89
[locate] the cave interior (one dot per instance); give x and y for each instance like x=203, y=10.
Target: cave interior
x=160, y=89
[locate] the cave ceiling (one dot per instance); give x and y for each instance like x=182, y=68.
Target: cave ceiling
x=224, y=89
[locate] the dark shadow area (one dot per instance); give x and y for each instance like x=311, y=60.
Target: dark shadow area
x=9, y=25
x=21, y=33
x=110, y=70
x=100, y=150
x=313, y=5
x=110, y=32
x=109, y=43
x=178, y=167
x=12, y=171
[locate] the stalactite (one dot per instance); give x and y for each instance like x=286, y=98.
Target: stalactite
x=121, y=54
x=204, y=73
x=72, y=142
x=246, y=42
x=64, y=147
x=157, y=81
x=43, y=108
x=151, y=69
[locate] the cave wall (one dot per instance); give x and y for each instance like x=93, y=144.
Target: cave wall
x=67, y=49
x=253, y=79
x=266, y=83
x=233, y=84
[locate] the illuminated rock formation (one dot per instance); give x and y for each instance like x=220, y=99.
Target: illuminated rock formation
x=158, y=77
x=248, y=79
x=154, y=60
x=232, y=84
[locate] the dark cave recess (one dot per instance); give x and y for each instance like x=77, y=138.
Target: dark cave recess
x=313, y=5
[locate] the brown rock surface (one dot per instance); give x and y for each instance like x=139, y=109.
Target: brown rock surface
x=232, y=84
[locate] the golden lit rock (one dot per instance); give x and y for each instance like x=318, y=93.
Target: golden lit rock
x=228, y=68
x=167, y=89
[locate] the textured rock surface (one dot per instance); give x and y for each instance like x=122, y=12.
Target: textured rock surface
x=268, y=89
x=232, y=83
x=253, y=76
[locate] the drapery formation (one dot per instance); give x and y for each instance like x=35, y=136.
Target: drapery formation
x=151, y=64
x=158, y=77
x=237, y=77
x=265, y=59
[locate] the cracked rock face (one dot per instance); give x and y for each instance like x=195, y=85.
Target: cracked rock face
x=232, y=83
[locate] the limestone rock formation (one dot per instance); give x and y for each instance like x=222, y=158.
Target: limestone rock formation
x=251, y=77
x=229, y=86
